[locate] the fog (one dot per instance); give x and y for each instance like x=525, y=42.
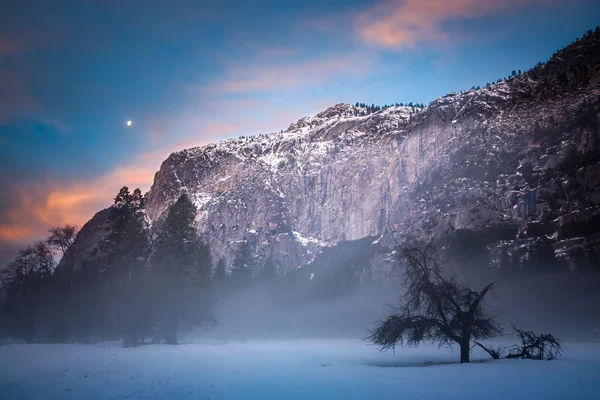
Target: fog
x=298, y=336
x=303, y=305
x=566, y=304
x=259, y=313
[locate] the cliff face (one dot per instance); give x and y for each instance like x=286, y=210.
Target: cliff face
x=88, y=238
x=515, y=165
x=327, y=179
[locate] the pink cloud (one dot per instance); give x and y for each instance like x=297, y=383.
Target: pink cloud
x=263, y=77
x=205, y=118
x=42, y=204
x=406, y=23
x=47, y=202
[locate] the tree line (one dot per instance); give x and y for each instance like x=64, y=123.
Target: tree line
x=374, y=108
x=538, y=65
x=139, y=280
x=147, y=280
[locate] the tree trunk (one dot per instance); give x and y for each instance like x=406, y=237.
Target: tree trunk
x=465, y=347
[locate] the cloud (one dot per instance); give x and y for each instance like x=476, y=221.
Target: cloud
x=265, y=77
x=407, y=23
x=39, y=205
x=228, y=107
x=36, y=206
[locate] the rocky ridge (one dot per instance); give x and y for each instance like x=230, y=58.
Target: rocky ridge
x=512, y=169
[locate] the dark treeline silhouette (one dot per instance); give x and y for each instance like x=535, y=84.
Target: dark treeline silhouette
x=374, y=108
x=535, y=70
x=147, y=282
x=139, y=281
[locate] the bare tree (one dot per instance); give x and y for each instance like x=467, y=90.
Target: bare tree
x=534, y=346
x=436, y=308
x=61, y=241
x=23, y=280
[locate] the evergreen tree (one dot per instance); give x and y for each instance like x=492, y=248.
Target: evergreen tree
x=242, y=267
x=180, y=270
x=24, y=280
x=123, y=252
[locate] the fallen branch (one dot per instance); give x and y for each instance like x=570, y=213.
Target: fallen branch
x=496, y=353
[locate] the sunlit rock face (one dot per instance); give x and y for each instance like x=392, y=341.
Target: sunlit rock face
x=334, y=177
x=513, y=165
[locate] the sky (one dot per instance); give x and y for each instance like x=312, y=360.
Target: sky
x=187, y=73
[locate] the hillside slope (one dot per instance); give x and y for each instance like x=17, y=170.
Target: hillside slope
x=511, y=171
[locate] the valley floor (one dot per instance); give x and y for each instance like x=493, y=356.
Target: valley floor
x=294, y=369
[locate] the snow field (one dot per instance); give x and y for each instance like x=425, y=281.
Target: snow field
x=287, y=370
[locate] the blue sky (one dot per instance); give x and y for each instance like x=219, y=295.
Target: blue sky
x=72, y=72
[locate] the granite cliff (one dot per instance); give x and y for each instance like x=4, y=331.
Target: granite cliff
x=510, y=171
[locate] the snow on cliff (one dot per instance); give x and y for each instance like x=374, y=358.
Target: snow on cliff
x=511, y=168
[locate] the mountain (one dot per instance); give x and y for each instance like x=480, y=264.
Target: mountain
x=510, y=172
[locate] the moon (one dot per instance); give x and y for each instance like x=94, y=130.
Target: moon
x=129, y=123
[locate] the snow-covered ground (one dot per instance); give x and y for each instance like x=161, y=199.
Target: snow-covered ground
x=287, y=370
